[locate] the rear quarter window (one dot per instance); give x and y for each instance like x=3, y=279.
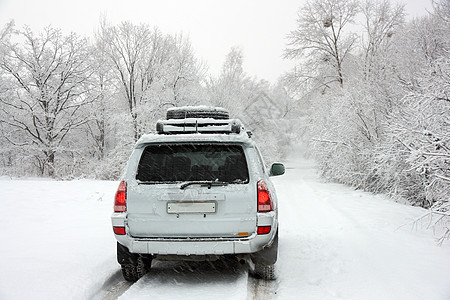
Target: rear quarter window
x=193, y=162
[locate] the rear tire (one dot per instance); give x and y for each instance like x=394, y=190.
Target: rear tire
x=266, y=272
x=133, y=273
x=133, y=265
x=264, y=261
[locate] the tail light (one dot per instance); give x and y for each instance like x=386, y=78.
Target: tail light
x=120, y=202
x=265, y=203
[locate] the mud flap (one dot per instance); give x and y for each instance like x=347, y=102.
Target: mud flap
x=268, y=255
x=125, y=257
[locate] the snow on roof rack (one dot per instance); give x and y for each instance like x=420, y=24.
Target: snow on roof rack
x=202, y=111
x=201, y=125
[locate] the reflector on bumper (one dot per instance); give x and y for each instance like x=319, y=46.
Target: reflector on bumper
x=119, y=230
x=264, y=229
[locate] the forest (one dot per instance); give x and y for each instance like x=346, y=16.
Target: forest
x=368, y=100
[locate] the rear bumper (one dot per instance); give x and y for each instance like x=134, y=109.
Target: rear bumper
x=198, y=246
x=194, y=246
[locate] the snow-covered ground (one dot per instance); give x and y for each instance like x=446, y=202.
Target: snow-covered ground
x=335, y=243
x=56, y=238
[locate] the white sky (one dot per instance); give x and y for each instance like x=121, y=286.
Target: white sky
x=258, y=27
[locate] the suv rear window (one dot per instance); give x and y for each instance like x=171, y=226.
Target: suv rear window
x=193, y=162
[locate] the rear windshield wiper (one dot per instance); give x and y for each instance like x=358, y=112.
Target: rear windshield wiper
x=208, y=183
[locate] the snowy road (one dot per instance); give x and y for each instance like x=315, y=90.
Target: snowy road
x=335, y=243
x=338, y=243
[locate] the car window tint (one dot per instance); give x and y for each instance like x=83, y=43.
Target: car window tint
x=188, y=162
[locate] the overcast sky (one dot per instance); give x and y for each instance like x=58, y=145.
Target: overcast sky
x=258, y=27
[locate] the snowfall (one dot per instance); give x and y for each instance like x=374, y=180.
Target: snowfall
x=335, y=243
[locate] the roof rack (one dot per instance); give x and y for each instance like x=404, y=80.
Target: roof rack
x=194, y=125
x=201, y=111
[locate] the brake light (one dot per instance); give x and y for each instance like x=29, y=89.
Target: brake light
x=120, y=202
x=264, y=200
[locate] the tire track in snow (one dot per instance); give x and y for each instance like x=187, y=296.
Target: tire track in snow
x=258, y=289
x=117, y=290
x=113, y=288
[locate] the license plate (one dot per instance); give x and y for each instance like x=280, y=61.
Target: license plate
x=191, y=207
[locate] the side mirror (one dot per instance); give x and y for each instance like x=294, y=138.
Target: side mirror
x=276, y=169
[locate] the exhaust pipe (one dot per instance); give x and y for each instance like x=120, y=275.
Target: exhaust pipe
x=242, y=259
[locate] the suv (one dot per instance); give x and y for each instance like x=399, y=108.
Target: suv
x=197, y=189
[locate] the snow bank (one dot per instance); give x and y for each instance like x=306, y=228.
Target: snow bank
x=57, y=241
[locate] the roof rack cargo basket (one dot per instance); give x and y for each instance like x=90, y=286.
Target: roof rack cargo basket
x=192, y=125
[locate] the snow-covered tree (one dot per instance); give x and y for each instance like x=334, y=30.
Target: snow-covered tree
x=321, y=39
x=420, y=124
x=386, y=129
x=46, y=84
x=261, y=107
x=154, y=71
x=228, y=89
x=131, y=50
x=381, y=21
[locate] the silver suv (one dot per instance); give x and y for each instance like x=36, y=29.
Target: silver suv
x=197, y=189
